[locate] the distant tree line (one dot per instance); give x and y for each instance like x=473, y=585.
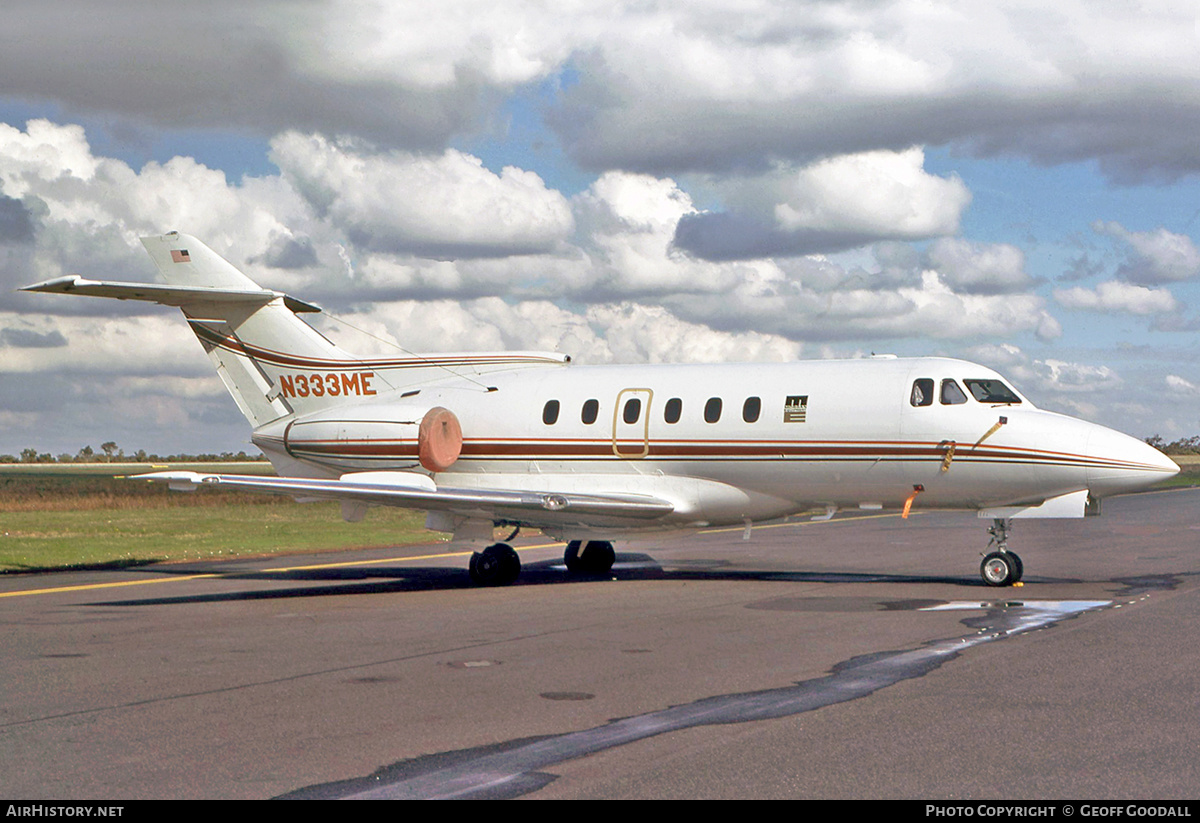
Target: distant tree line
x=111, y=453
x=1184, y=445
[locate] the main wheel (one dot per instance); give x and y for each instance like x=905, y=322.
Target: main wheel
x=598, y=556
x=497, y=565
x=1000, y=569
x=571, y=557
x=592, y=557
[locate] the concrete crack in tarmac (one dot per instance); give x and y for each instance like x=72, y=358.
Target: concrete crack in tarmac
x=515, y=768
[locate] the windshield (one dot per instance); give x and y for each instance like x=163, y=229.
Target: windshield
x=991, y=391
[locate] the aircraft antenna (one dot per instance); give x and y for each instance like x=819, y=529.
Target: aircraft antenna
x=396, y=345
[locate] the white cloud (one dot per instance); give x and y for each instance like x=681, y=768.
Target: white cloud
x=1063, y=376
x=445, y=205
x=1157, y=256
x=880, y=193
x=833, y=204
x=605, y=333
x=662, y=87
x=627, y=224
x=722, y=87
x=771, y=302
x=1116, y=296
x=979, y=268
x=148, y=344
x=1180, y=386
x=90, y=211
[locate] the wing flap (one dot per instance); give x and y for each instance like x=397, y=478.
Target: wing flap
x=416, y=491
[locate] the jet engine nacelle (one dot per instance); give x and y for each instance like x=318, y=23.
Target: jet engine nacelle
x=381, y=437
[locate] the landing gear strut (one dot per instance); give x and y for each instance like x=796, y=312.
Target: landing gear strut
x=497, y=565
x=1001, y=567
x=592, y=557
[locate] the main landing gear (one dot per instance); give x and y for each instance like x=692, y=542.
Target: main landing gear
x=592, y=557
x=1001, y=567
x=497, y=565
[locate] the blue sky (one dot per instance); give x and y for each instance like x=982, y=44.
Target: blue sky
x=1002, y=182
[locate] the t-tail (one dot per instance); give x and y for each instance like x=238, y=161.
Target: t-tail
x=271, y=361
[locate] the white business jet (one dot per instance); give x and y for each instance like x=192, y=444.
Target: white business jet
x=591, y=454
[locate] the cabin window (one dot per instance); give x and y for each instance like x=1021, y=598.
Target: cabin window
x=633, y=410
x=922, y=392
x=952, y=395
x=550, y=412
x=751, y=409
x=712, y=410
x=591, y=408
x=991, y=391
x=673, y=410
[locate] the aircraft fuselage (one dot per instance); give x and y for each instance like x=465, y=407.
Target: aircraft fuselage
x=732, y=442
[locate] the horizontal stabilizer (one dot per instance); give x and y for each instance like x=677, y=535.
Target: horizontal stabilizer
x=417, y=491
x=166, y=295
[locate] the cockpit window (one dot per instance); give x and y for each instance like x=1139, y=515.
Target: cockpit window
x=991, y=391
x=922, y=392
x=952, y=395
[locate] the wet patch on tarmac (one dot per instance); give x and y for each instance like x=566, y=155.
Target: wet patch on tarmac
x=1146, y=583
x=513, y=769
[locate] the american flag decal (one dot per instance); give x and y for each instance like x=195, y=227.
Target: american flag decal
x=795, y=408
x=180, y=256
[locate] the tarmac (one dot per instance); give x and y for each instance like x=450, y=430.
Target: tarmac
x=856, y=658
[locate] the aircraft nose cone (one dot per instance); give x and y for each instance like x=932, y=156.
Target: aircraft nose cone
x=1118, y=463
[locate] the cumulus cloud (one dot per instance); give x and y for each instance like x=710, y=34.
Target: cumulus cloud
x=88, y=211
x=660, y=88
x=278, y=66
x=1181, y=386
x=605, y=333
x=153, y=344
x=979, y=268
x=833, y=204
x=440, y=206
x=1117, y=296
x=1154, y=257
x=628, y=222
x=1063, y=376
x=778, y=305
x=722, y=89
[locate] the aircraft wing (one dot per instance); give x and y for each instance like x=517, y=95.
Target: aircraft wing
x=417, y=491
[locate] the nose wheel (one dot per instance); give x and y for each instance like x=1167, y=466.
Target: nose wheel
x=1001, y=567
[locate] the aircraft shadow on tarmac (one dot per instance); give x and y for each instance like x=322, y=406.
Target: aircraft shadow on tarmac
x=387, y=579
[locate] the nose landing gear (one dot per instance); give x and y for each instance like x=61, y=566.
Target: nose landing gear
x=1001, y=567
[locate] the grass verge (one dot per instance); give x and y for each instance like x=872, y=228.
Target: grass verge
x=60, y=518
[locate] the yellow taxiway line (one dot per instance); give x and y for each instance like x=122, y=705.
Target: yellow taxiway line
x=381, y=561
x=172, y=579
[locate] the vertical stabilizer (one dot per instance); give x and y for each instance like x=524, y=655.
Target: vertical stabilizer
x=256, y=345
